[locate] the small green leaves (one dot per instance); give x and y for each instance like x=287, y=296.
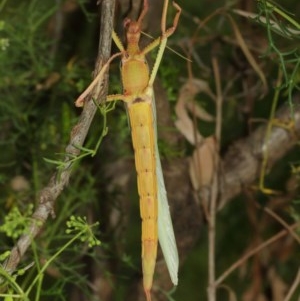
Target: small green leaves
x=84, y=231
x=4, y=255
x=16, y=223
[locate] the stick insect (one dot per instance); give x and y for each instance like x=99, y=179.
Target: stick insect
x=138, y=97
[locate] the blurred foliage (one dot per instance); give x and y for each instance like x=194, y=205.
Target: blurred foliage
x=47, y=52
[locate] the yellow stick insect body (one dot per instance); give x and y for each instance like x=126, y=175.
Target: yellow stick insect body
x=138, y=96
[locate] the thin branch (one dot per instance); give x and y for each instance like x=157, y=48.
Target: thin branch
x=253, y=252
x=59, y=180
x=214, y=191
x=293, y=287
x=282, y=222
x=242, y=162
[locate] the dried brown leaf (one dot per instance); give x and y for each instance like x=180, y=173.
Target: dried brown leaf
x=184, y=104
x=199, y=112
x=202, y=165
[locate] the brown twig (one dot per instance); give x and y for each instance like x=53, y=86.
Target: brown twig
x=242, y=163
x=282, y=222
x=293, y=287
x=214, y=191
x=254, y=251
x=59, y=180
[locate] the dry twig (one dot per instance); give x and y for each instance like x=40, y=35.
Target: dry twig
x=59, y=180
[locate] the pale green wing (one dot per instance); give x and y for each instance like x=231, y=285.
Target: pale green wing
x=165, y=227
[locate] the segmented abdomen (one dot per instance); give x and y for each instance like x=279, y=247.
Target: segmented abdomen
x=142, y=131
